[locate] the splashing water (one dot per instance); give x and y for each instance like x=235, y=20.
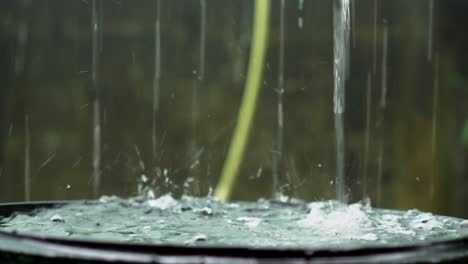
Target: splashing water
x=341, y=29
x=327, y=224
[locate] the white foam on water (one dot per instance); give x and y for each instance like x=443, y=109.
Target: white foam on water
x=164, y=202
x=369, y=236
x=345, y=221
x=328, y=224
x=250, y=222
x=464, y=224
x=358, y=223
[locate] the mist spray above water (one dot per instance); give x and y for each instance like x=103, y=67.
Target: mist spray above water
x=341, y=29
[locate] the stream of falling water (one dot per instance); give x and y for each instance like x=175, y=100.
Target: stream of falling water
x=22, y=39
x=367, y=135
x=202, y=53
x=341, y=30
x=435, y=110
x=19, y=64
x=300, y=19
x=278, y=151
x=27, y=159
x=382, y=108
x=430, y=30
x=156, y=77
x=374, y=37
x=195, y=149
x=95, y=28
x=352, y=4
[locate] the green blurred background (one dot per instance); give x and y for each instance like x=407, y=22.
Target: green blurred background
x=417, y=152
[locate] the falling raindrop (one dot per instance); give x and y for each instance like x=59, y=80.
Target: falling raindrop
x=22, y=39
x=10, y=130
x=300, y=7
x=201, y=67
x=47, y=161
x=341, y=56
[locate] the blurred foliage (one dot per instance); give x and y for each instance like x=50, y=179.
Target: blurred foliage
x=465, y=133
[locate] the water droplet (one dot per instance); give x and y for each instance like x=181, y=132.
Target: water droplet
x=144, y=179
x=197, y=238
x=206, y=211
x=464, y=224
x=250, y=222
x=57, y=219
x=369, y=236
x=300, y=22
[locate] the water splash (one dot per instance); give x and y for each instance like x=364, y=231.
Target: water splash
x=95, y=33
x=341, y=32
x=327, y=224
x=278, y=145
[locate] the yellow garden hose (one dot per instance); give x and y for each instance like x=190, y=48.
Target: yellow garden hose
x=249, y=101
